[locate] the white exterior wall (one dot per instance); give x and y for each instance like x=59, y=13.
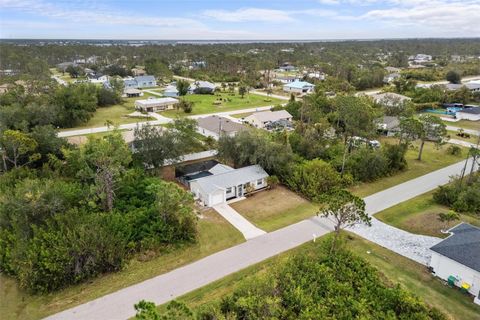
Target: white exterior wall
x=292, y=90
x=467, y=116
x=445, y=267
x=259, y=186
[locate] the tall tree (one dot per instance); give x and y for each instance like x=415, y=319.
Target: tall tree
x=432, y=129
x=17, y=148
x=344, y=209
x=182, y=87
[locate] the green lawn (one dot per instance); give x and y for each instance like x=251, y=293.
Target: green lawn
x=395, y=269
x=117, y=113
x=420, y=215
x=276, y=208
x=432, y=159
x=466, y=124
x=204, y=103
x=453, y=135
x=242, y=115
x=215, y=234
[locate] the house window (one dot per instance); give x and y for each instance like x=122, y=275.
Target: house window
x=229, y=190
x=259, y=182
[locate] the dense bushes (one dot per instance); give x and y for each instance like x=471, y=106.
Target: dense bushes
x=311, y=286
x=55, y=229
x=460, y=195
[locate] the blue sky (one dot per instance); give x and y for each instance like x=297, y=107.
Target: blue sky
x=229, y=19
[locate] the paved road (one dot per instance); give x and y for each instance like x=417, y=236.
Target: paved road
x=248, y=230
x=260, y=93
x=163, y=288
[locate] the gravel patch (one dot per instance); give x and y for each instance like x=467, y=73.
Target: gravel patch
x=413, y=246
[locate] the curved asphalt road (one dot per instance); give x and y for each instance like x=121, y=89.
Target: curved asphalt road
x=168, y=286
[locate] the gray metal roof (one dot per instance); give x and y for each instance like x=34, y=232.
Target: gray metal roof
x=270, y=115
x=219, y=124
x=145, y=78
x=231, y=178
x=463, y=246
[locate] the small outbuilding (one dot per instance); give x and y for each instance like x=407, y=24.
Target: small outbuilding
x=132, y=92
x=157, y=104
x=456, y=259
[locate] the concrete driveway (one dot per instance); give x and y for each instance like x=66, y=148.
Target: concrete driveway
x=248, y=230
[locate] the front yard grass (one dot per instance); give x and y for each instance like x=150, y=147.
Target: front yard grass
x=276, y=208
x=432, y=159
x=204, y=103
x=215, y=234
x=471, y=139
x=466, y=124
x=420, y=215
x=394, y=268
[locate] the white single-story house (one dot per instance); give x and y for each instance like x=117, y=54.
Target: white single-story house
x=201, y=87
x=472, y=114
x=156, y=104
x=456, y=259
x=171, y=91
x=262, y=119
x=299, y=87
x=215, y=126
x=97, y=78
x=226, y=183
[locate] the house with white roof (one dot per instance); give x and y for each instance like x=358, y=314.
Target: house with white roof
x=222, y=183
x=262, y=119
x=156, y=104
x=299, y=87
x=171, y=91
x=200, y=87
x=456, y=259
x=472, y=114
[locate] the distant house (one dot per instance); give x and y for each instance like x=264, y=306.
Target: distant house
x=262, y=119
x=472, y=114
x=317, y=75
x=456, y=259
x=390, y=99
x=287, y=67
x=389, y=126
x=132, y=92
x=299, y=87
x=146, y=81
x=201, y=87
x=473, y=87
x=215, y=126
x=286, y=79
x=171, y=91
x=391, y=77
x=222, y=183
x=157, y=104
x=140, y=82
x=96, y=77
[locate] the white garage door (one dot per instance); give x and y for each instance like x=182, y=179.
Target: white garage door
x=216, y=198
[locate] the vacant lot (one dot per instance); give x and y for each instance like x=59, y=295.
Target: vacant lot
x=395, y=269
x=221, y=102
x=116, y=113
x=215, y=234
x=273, y=209
x=420, y=215
x=432, y=159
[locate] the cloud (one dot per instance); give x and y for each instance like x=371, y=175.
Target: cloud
x=445, y=15
x=329, y=2
x=76, y=12
x=249, y=14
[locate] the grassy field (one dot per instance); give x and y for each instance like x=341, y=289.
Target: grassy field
x=273, y=209
x=466, y=124
x=394, y=268
x=453, y=135
x=117, y=113
x=420, y=215
x=432, y=159
x=65, y=76
x=215, y=234
x=204, y=103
